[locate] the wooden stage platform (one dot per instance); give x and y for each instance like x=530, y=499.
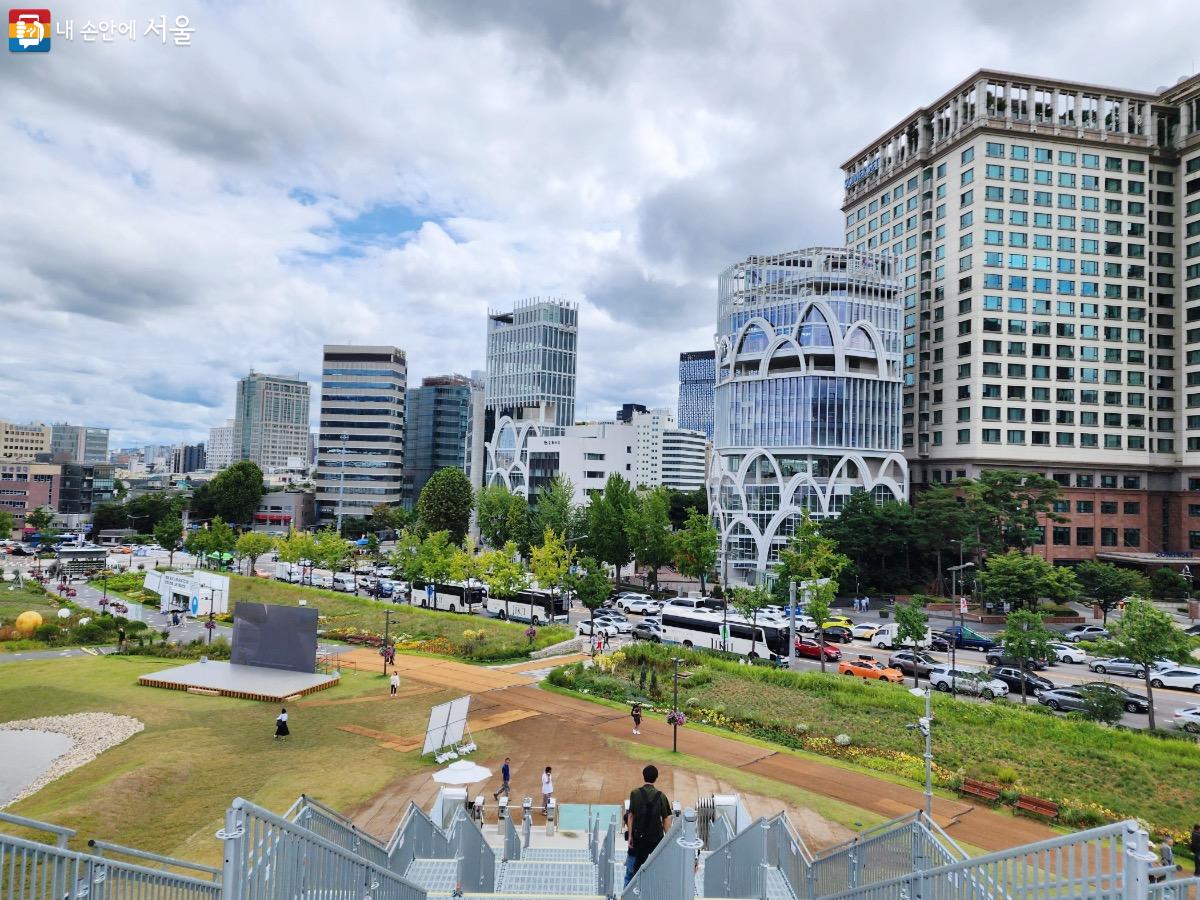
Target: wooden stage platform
x=243, y=682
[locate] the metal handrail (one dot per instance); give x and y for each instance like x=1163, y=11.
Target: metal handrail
x=605, y=860
x=476, y=858
x=669, y=873
x=512, y=840
x=332, y=825
x=737, y=868
x=102, y=847
x=61, y=832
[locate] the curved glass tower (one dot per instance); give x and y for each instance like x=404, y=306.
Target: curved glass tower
x=807, y=400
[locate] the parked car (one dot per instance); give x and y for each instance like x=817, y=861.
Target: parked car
x=344, y=582
x=939, y=643
x=385, y=571
x=648, y=630
x=810, y=649
x=966, y=681
x=1067, y=654
x=620, y=623
x=839, y=633
x=1062, y=698
x=864, y=631
x=1013, y=676
x=1117, y=665
x=997, y=657
x=585, y=628
x=1187, y=679
x=907, y=660
x=1134, y=703
x=869, y=667
x=887, y=635
x=641, y=606
x=1085, y=633
x=838, y=620
x=965, y=639
x=1187, y=719
x=623, y=600
x=321, y=580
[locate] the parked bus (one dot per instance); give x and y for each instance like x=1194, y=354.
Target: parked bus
x=703, y=628
x=456, y=598
x=538, y=607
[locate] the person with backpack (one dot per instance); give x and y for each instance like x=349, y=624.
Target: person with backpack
x=646, y=821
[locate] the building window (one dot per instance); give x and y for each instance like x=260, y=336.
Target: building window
x=1062, y=536
x=1108, y=537
x=1132, y=508
x=1132, y=537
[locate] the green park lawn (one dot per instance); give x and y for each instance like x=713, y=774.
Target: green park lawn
x=166, y=789
x=15, y=600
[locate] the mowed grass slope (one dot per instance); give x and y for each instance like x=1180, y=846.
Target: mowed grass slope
x=166, y=789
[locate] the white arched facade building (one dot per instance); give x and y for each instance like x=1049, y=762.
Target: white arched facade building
x=807, y=397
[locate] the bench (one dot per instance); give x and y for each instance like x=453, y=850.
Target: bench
x=981, y=789
x=1037, y=807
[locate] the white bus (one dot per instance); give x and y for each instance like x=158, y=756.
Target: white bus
x=455, y=598
x=702, y=628
x=535, y=606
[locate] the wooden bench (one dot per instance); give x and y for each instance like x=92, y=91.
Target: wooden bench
x=1035, y=806
x=981, y=789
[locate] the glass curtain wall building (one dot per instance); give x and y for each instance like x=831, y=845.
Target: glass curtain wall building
x=437, y=427
x=697, y=375
x=271, y=420
x=807, y=398
x=360, y=444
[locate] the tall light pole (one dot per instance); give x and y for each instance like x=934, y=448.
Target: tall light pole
x=924, y=726
x=675, y=661
x=341, y=483
x=791, y=656
x=955, y=613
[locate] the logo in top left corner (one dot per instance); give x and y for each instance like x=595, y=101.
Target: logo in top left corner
x=29, y=30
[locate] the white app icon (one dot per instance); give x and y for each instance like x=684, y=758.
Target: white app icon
x=30, y=30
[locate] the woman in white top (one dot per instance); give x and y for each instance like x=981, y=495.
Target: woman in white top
x=547, y=791
x=281, y=728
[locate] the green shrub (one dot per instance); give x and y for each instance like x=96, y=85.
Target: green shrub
x=91, y=633
x=218, y=649
x=47, y=632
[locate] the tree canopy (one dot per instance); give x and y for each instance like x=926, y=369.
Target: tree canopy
x=1145, y=634
x=502, y=516
x=648, y=529
x=606, y=517
x=695, y=546
x=1107, y=585
x=1024, y=578
x=445, y=504
x=233, y=494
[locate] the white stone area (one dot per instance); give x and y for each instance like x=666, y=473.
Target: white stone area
x=91, y=734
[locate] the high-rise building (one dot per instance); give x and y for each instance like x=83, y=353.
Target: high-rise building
x=24, y=442
x=628, y=411
x=78, y=444
x=187, y=458
x=531, y=354
x=271, y=423
x=218, y=452
x=666, y=454
x=360, y=442
x=697, y=375
x=26, y=486
x=807, y=397
x=83, y=486
x=476, y=444
x=437, y=427
x=1047, y=235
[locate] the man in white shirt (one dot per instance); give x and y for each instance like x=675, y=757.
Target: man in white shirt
x=547, y=791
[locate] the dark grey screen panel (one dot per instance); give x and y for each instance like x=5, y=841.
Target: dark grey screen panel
x=275, y=637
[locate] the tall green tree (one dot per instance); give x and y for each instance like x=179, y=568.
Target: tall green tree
x=111, y=516
x=504, y=575
x=1022, y=579
x=749, y=602
x=551, y=561
x=445, y=504
x=406, y=558
x=435, y=558
x=1007, y=506
x=7, y=524
x=502, y=516
x=1107, y=585
x=297, y=546
x=941, y=517
x=252, y=545
x=1144, y=634
x=590, y=585
x=555, y=510
x=221, y=537
x=332, y=550
x=1167, y=584
x=814, y=563
x=1025, y=637
x=167, y=533
x=695, y=546
x=648, y=529
x=607, y=515
x=40, y=518
x=683, y=501
x=912, y=623
x=466, y=564
x=236, y=492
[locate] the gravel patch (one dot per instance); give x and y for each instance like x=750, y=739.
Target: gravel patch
x=91, y=734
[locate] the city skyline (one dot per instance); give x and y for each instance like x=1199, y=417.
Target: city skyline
x=251, y=241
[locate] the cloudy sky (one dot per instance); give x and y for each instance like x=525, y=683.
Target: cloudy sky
x=174, y=216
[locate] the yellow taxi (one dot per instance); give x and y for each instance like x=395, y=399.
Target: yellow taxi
x=833, y=621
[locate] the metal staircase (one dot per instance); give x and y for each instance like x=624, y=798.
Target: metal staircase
x=312, y=852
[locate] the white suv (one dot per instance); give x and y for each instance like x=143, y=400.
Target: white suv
x=967, y=681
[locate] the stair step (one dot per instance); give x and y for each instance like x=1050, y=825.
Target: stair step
x=555, y=854
x=558, y=879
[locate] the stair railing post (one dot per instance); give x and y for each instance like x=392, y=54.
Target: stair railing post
x=232, y=837
x=691, y=845
x=1138, y=860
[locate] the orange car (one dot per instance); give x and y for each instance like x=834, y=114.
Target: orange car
x=869, y=667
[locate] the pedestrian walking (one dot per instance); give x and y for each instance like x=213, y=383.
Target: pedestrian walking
x=506, y=777
x=547, y=791
x=646, y=821
x=1194, y=846
x=395, y=683
x=1166, y=856
x=281, y=726
x=866, y=604
x=636, y=713
x=121, y=638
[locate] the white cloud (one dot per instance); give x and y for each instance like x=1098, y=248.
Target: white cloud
x=175, y=216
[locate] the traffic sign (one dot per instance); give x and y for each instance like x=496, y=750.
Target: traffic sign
x=962, y=605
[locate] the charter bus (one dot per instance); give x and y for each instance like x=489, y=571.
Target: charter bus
x=453, y=597
x=702, y=628
x=535, y=606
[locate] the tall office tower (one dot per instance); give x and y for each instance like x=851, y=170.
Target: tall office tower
x=807, y=398
x=360, y=442
x=1047, y=234
x=697, y=375
x=24, y=442
x=531, y=354
x=218, y=452
x=270, y=426
x=187, y=458
x=437, y=432
x=666, y=454
x=476, y=445
x=78, y=444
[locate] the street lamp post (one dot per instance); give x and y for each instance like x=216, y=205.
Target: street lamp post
x=387, y=621
x=341, y=482
x=955, y=613
x=924, y=726
x=675, y=704
x=791, y=656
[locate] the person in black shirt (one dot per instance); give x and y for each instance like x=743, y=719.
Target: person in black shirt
x=646, y=821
